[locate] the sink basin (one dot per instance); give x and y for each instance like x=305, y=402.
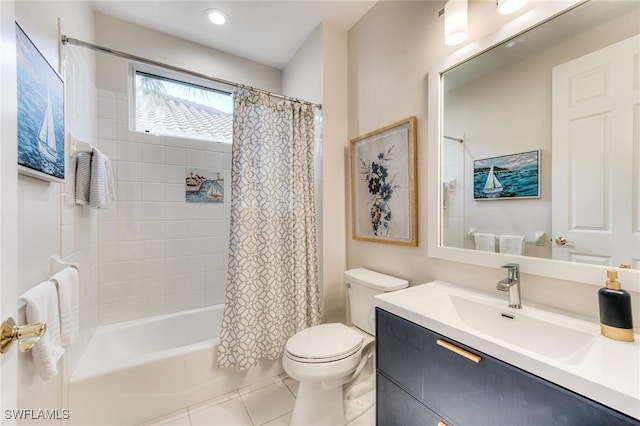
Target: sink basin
x=547, y=338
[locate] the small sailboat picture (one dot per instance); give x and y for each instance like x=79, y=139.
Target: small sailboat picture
x=47, y=134
x=507, y=177
x=204, y=186
x=493, y=184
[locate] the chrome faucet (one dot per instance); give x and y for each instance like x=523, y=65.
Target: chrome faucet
x=511, y=284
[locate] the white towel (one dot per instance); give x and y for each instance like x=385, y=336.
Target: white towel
x=101, y=192
x=68, y=295
x=83, y=177
x=42, y=306
x=511, y=244
x=485, y=242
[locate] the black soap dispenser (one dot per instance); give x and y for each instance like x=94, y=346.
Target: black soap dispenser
x=615, y=310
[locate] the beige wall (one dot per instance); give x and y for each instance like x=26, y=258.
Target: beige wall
x=8, y=198
x=335, y=137
x=390, y=52
x=302, y=77
x=318, y=72
x=136, y=40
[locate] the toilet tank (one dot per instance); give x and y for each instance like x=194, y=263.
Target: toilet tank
x=362, y=286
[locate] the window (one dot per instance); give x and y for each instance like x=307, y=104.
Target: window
x=168, y=106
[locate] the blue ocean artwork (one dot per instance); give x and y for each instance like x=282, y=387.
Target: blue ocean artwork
x=204, y=187
x=508, y=176
x=40, y=101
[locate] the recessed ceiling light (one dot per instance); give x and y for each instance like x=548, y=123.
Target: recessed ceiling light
x=507, y=7
x=216, y=16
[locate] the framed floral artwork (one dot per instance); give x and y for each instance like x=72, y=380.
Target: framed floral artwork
x=384, y=197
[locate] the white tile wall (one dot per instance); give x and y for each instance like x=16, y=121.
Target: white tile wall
x=79, y=225
x=453, y=173
x=156, y=253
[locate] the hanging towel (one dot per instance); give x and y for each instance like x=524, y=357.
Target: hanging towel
x=68, y=293
x=101, y=192
x=83, y=177
x=485, y=242
x=42, y=306
x=512, y=244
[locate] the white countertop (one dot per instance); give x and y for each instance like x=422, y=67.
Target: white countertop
x=605, y=370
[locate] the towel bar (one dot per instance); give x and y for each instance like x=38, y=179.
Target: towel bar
x=538, y=237
x=56, y=264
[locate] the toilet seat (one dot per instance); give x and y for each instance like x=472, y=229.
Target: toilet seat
x=323, y=343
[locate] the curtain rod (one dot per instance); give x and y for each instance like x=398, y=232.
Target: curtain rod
x=75, y=42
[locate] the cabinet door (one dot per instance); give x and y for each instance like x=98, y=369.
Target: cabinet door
x=490, y=392
x=446, y=382
x=395, y=407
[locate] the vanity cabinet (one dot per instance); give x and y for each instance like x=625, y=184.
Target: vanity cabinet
x=423, y=381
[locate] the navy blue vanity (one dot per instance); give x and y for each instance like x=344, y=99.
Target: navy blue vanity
x=422, y=381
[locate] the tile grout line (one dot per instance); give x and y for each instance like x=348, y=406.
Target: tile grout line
x=246, y=410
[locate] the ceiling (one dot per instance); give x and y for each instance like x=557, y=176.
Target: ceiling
x=269, y=32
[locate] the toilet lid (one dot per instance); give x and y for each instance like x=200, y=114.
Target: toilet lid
x=324, y=342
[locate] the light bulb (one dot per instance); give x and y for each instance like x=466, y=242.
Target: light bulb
x=455, y=22
x=216, y=16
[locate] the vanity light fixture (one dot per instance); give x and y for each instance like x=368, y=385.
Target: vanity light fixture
x=216, y=16
x=506, y=7
x=455, y=22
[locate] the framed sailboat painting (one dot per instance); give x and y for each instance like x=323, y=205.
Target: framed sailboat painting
x=507, y=177
x=40, y=104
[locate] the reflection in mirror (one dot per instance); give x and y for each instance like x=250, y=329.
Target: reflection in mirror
x=568, y=91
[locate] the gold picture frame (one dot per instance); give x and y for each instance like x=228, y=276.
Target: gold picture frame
x=384, y=195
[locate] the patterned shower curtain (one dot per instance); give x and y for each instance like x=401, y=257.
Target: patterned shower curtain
x=272, y=278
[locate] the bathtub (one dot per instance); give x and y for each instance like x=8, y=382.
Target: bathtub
x=135, y=371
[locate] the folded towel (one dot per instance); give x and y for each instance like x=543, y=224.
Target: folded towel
x=485, y=242
x=68, y=295
x=512, y=244
x=101, y=192
x=42, y=306
x=83, y=177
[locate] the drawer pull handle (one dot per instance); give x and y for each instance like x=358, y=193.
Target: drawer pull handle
x=441, y=423
x=453, y=348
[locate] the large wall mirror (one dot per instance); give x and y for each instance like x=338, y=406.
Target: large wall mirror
x=539, y=144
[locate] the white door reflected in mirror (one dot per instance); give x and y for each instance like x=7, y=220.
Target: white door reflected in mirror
x=595, y=195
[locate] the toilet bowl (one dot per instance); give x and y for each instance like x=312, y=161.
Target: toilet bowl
x=325, y=357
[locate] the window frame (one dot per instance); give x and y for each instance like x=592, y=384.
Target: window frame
x=165, y=73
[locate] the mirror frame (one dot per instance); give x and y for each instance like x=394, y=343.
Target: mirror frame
x=563, y=270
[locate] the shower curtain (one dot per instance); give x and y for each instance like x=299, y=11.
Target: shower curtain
x=272, y=278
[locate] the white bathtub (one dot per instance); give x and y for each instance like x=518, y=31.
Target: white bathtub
x=135, y=371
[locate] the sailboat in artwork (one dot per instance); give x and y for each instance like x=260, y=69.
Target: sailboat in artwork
x=215, y=190
x=492, y=185
x=47, y=135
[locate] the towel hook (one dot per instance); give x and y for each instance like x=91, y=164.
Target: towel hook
x=26, y=335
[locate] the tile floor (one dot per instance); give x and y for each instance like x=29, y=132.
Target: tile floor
x=268, y=403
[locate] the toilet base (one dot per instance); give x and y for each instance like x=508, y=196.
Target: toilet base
x=318, y=406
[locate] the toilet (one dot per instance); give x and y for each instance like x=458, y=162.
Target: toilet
x=325, y=357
